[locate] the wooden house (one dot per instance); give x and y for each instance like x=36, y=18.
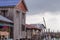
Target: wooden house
x=15, y=11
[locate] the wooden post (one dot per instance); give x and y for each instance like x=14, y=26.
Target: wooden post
x=17, y=24
x=26, y=33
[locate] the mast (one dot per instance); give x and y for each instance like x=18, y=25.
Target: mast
x=44, y=21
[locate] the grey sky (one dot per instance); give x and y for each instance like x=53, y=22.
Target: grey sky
x=49, y=9
x=35, y=6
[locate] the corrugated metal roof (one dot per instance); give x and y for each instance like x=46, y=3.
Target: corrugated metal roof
x=36, y=26
x=4, y=19
x=8, y=2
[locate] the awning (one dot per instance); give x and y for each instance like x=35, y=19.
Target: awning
x=2, y=18
x=2, y=24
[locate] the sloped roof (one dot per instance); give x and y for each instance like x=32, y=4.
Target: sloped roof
x=9, y=2
x=41, y=26
x=4, y=19
x=29, y=26
x=35, y=26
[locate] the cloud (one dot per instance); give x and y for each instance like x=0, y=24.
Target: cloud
x=36, y=6
x=52, y=21
x=33, y=19
x=49, y=9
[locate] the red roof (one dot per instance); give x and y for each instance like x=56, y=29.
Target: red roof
x=31, y=27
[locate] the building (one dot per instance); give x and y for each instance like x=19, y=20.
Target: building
x=33, y=31
x=5, y=25
x=15, y=11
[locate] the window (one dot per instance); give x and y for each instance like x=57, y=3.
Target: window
x=3, y=12
x=23, y=15
x=17, y=13
x=0, y=12
x=23, y=18
x=23, y=27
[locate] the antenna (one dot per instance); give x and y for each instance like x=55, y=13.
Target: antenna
x=44, y=21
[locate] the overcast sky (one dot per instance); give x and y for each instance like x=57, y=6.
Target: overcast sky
x=49, y=9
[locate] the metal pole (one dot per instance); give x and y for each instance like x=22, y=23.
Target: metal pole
x=44, y=21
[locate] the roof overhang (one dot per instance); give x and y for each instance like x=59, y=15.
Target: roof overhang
x=4, y=19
